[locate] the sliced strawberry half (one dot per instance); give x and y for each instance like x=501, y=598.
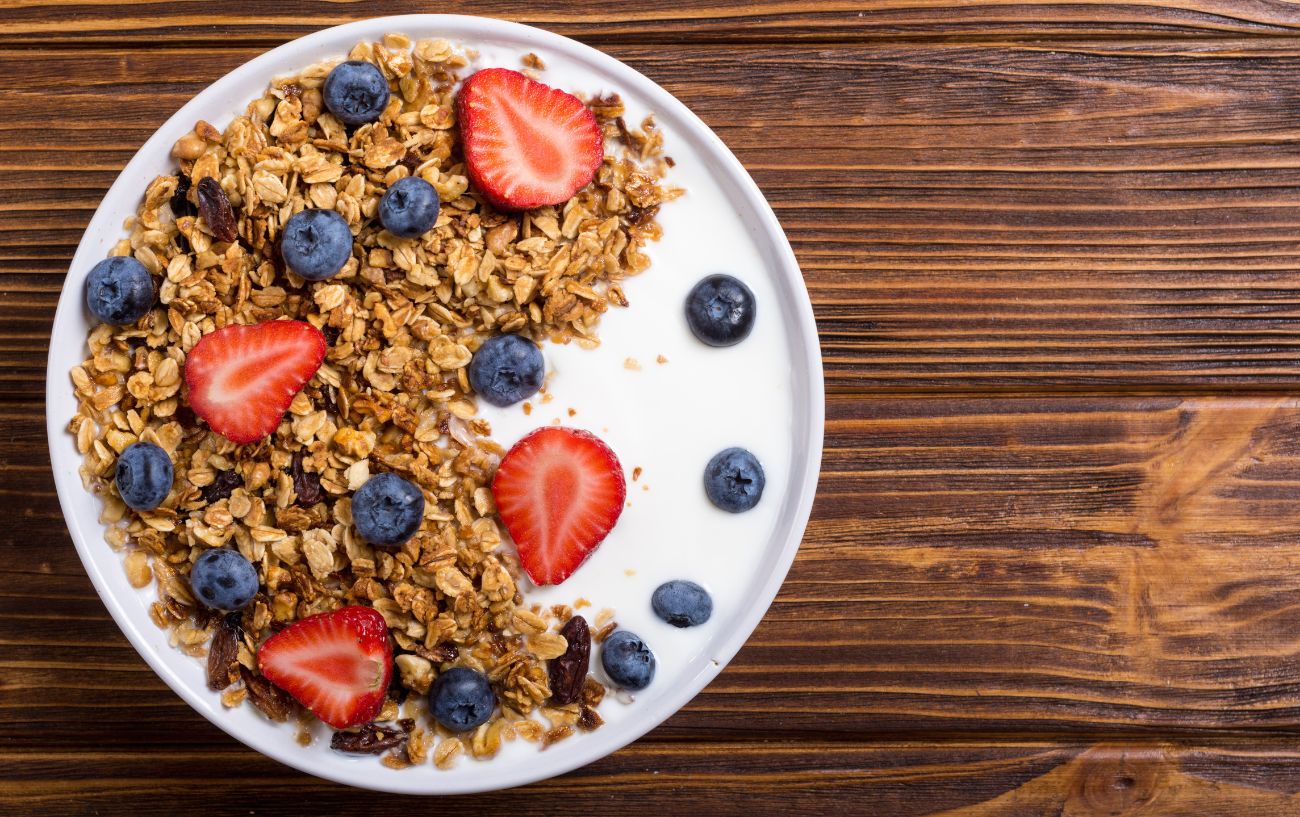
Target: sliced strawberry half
x=559, y=492
x=526, y=144
x=336, y=664
x=242, y=378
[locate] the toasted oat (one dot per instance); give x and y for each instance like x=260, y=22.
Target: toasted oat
x=444, y=756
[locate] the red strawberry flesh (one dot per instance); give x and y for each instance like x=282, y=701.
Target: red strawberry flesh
x=559, y=491
x=336, y=664
x=526, y=144
x=241, y=379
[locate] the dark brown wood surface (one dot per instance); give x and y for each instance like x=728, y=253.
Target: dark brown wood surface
x=1053, y=568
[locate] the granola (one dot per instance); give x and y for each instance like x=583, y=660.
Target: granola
x=402, y=320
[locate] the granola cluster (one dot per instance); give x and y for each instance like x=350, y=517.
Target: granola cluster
x=402, y=319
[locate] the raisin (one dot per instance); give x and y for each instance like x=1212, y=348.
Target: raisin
x=569, y=671
x=306, y=485
x=636, y=216
x=372, y=739
x=277, y=258
x=410, y=161
x=216, y=209
x=623, y=135
x=180, y=201
x=223, y=652
x=186, y=417
x=222, y=486
x=274, y=702
x=328, y=401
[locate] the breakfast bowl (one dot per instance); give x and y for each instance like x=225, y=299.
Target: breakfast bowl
x=647, y=386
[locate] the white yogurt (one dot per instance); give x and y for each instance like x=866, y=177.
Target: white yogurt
x=669, y=419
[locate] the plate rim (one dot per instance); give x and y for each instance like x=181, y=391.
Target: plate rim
x=809, y=415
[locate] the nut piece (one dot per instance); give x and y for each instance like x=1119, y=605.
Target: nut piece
x=416, y=672
x=137, y=569
x=190, y=146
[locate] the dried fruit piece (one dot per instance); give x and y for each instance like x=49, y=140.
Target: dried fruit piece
x=569, y=671
x=372, y=739
x=216, y=209
x=589, y=720
x=223, y=667
x=180, y=200
x=306, y=485
x=266, y=696
x=222, y=486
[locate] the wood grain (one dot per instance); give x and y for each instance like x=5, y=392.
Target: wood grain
x=1052, y=568
x=962, y=779
x=195, y=23
x=1099, y=230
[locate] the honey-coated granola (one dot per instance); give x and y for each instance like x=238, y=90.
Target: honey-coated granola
x=402, y=320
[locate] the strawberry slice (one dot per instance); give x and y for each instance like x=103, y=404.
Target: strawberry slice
x=526, y=144
x=559, y=492
x=336, y=664
x=242, y=378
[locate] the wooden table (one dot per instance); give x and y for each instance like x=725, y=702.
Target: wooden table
x=1054, y=563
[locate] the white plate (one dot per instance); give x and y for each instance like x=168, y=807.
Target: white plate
x=764, y=394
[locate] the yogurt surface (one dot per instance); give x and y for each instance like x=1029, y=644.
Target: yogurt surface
x=668, y=419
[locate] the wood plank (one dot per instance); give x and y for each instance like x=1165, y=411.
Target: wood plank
x=1055, y=566
x=901, y=779
x=198, y=24
x=958, y=779
x=969, y=219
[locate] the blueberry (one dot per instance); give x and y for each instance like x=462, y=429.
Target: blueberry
x=627, y=660
x=682, y=603
x=734, y=480
x=144, y=476
x=462, y=699
x=119, y=290
x=409, y=208
x=223, y=579
x=356, y=92
x=316, y=243
x=387, y=510
x=506, y=369
x=720, y=310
